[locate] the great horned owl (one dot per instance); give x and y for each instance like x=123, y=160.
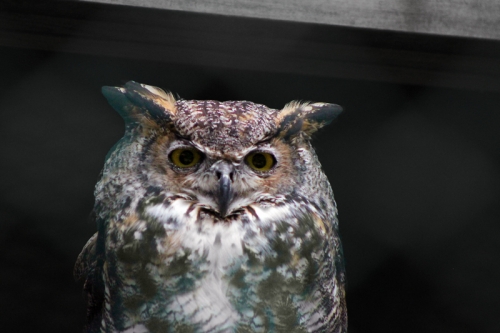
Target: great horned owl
x=213, y=217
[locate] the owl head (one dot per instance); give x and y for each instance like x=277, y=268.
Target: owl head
x=221, y=156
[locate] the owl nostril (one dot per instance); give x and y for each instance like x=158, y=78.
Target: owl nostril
x=223, y=169
x=219, y=175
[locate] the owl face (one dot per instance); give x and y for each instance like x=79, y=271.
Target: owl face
x=221, y=156
x=225, y=170
x=225, y=181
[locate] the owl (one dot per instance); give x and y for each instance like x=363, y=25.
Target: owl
x=213, y=217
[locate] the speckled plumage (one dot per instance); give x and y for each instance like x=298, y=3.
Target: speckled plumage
x=168, y=258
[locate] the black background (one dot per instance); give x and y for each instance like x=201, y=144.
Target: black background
x=415, y=171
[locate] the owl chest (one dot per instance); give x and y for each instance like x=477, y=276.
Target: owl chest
x=239, y=273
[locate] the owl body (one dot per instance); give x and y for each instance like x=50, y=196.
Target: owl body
x=213, y=217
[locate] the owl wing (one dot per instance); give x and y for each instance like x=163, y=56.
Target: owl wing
x=85, y=262
x=88, y=269
x=338, y=260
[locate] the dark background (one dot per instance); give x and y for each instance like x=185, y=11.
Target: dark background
x=415, y=171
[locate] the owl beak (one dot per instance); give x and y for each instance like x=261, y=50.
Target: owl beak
x=224, y=172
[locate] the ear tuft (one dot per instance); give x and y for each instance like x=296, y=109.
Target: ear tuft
x=298, y=117
x=141, y=104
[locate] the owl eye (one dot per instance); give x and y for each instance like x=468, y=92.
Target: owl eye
x=261, y=161
x=185, y=157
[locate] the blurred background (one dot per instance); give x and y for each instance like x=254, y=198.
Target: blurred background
x=413, y=161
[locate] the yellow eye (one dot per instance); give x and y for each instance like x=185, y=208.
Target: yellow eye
x=185, y=157
x=260, y=161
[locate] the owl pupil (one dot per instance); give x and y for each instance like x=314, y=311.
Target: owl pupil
x=259, y=161
x=186, y=157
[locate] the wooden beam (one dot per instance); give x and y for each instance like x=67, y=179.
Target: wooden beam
x=474, y=18
x=252, y=44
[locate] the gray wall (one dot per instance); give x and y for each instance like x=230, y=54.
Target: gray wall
x=471, y=18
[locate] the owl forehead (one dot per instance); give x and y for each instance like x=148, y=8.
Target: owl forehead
x=224, y=127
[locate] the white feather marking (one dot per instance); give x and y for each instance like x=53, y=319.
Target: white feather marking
x=139, y=328
x=176, y=210
x=159, y=92
x=273, y=213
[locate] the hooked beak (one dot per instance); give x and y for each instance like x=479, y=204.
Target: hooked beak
x=224, y=172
